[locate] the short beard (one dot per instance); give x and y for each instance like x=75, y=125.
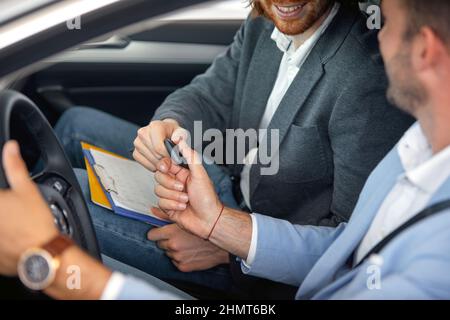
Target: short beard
x=293, y=28
x=405, y=90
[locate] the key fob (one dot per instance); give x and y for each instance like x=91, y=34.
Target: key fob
x=175, y=154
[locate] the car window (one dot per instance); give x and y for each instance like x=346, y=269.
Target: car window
x=218, y=10
x=213, y=23
x=13, y=8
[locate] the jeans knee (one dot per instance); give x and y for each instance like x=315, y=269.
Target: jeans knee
x=70, y=120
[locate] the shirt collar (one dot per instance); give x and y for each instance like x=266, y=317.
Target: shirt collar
x=422, y=168
x=284, y=42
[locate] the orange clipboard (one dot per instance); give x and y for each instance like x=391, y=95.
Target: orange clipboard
x=98, y=196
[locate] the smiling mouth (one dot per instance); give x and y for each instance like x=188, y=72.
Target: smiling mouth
x=291, y=11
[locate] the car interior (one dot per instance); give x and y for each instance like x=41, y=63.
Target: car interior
x=127, y=75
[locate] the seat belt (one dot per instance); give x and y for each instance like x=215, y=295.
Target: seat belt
x=422, y=215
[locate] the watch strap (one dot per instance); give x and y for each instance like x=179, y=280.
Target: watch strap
x=58, y=245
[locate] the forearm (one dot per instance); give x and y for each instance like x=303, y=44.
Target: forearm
x=93, y=277
x=233, y=232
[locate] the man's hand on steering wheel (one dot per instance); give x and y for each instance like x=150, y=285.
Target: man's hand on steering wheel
x=26, y=220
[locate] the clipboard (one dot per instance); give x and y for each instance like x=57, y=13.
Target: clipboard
x=98, y=196
x=103, y=188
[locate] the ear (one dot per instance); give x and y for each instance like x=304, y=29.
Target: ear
x=426, y=50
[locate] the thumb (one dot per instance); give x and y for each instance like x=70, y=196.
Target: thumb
x=179, y=134
x=15, y=169
x=193, y=159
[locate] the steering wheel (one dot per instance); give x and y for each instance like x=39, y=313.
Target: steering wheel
x=50, y=168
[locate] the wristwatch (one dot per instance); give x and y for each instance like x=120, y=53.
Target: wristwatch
x=37, y=267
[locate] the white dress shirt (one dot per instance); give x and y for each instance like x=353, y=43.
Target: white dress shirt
x=290, y=65
x=424, y=174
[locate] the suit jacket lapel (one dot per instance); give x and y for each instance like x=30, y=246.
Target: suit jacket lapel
x=263, y=71
x=295, y=97
x=307, y=78
x=262, y=74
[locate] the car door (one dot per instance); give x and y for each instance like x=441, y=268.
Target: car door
x=130, y=75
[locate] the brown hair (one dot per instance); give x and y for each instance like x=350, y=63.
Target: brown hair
x=432, y=13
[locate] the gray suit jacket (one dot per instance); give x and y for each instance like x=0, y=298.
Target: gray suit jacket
x=335, y=123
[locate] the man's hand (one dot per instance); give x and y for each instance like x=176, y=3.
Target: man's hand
x=176, y=186
x=26, y=220
x=187, y=252
x=149, y=144
x=188, y=198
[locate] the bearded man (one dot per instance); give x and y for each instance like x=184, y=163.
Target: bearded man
x=308, y=68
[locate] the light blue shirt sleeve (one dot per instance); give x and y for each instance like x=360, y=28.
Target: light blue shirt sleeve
x=286, y=252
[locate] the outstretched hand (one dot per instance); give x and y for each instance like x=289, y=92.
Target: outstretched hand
x=187, y=197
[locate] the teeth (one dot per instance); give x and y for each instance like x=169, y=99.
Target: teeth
x=289, y=9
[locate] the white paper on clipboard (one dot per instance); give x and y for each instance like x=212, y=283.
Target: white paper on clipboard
x=129, y=184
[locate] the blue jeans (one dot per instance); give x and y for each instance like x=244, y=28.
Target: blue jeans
x=122, y=238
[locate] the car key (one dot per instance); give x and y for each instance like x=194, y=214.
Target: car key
x=175, y=154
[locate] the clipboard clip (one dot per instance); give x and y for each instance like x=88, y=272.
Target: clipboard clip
x=108, y=182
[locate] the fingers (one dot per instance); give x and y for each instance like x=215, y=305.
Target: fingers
x=149, y=142
x=193, y=159
x=15, y=168
x=170, y=215
x=163, y=244
x=159, y=131
x=172, y=255
x=162, y=233
x=179, y=134
x=143, y=141
x=169, y=194
x=167, y=204
x=168, y=182
x=141, y=148
x=143, y=161
x=166, y=165
x=160, y=214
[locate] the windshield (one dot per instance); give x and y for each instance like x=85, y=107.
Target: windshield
x=10, y=9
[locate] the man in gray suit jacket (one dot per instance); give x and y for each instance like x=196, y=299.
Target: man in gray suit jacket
x=310, y=70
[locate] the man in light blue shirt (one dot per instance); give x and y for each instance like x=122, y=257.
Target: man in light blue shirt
x=326, y=263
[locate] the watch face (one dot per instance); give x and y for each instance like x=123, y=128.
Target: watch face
x=36, y=269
